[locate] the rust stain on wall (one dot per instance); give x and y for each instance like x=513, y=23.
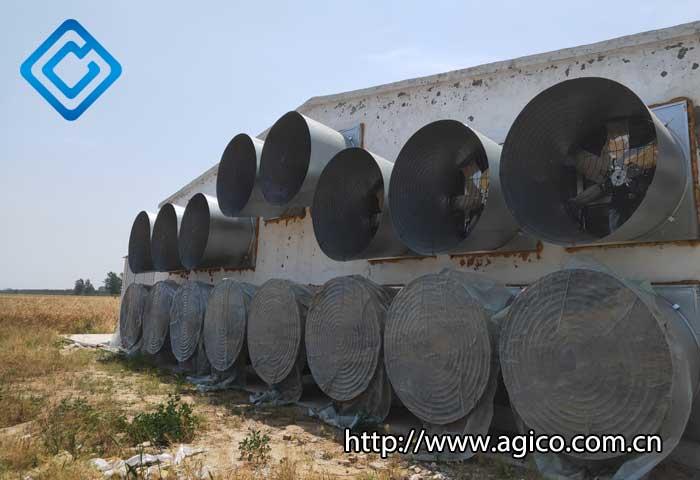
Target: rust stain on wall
x=679, y=282
x=610, y=246
x=377, y=261
x=470, y=259
x=286, y=220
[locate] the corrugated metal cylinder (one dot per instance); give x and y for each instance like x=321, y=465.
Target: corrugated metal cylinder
x=140, y=259
x=131, y=315
x=344, y=335
x=238, y=180
x=187, y=317
x=226, y=323
x=563, y=143
x=156, y=320
x=586, y=352
x=209, y=239
x=296, y=150
x=445, y=194
x=276, y=329
x=164, y=249
x=440, y=347
x=350, y=212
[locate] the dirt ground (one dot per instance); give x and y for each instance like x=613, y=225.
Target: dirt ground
x=313, y=449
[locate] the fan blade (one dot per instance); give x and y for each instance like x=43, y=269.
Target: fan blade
x=590, y=195
x=592, y=167
x=618, y=141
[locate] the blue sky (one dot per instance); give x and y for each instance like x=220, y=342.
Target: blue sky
x=196, y=73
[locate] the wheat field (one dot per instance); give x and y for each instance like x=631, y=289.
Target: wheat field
x=30, y=326
x=60, y=313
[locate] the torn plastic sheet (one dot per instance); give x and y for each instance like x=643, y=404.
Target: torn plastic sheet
x=368, y=409
x=668, y=415
x=286, y=392
x=121, y=468
x=233, y=378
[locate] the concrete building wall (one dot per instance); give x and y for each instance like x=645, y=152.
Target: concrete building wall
x=659, y=66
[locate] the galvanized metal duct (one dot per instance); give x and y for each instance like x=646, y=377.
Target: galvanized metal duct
x=344, y=332
x=586, y=352
x=140, y=259
x=225, y=323
x=156, y=320
x=209, y=239
x=164, y=250
x=586, y=161
x=445, y=194
x=276, y=329
x=350, y=210
x=439, y=347
x=238, y=180
x=296, y=150
x=131, y=315
x=187, y=317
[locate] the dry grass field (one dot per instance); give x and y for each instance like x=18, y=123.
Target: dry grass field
x=61, y=407
x=62, y=313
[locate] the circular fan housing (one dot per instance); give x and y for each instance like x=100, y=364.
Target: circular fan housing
x=437, y=349
x=186, y=318
x=350, y=214
x=131, y=314
x=344, y=335
x=276, y=328
x=209, y=239
x=164, y=250
x=225, y=323
x=584, y=353
x=583, y=158
x=439, y=188
x=237, y=173
x=156, y=320
x=140, y=259
x=295, y=151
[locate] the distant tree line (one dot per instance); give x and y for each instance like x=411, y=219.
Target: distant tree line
x=37, y=291
x=112, y=286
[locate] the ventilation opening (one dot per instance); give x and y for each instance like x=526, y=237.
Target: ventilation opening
x=140, y=244
x=439, y=187
x=613, y=168
x=348, y=204
x=285, y=158
x=578, y=160
x=194, y=231
x=164, y=247
x=236, y=175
